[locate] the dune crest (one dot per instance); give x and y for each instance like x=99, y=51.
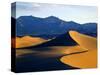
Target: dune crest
x=86, y=59
x=84, y=41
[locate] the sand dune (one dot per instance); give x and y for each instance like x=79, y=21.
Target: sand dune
x=28, y=41
x=81, y=60
x=86, y=59
x=83, y=55
x=84, y=41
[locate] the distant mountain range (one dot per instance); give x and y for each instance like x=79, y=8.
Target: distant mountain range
x=50, y=27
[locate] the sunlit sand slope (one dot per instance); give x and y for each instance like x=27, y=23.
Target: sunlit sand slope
x=86, y=59
x=28, y=41
x=84, y=40
x=81, y=60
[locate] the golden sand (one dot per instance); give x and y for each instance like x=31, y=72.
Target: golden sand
x=73, y=56
x=82, y=60
x=84, y=41
x=27, y=41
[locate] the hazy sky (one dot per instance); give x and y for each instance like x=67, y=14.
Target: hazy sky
x=79, y=14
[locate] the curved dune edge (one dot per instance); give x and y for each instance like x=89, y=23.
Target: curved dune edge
x=27, y=41
x=84, y=41
x=86, y=59
x=82, y=60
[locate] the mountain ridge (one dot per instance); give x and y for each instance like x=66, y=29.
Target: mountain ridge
x=35, y=26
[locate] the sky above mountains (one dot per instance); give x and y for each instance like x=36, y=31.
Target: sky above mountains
x=79, y=14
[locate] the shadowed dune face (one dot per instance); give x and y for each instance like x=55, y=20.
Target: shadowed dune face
x=28, y=41
x=83, y=60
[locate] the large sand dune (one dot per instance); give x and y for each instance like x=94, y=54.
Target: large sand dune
x=84, y=41
x=86, y=59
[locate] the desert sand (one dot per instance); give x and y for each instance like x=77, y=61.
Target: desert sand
x=83, y=55
x=86, y=59
x=84, y=41
x=81, y=60
x=28, y=41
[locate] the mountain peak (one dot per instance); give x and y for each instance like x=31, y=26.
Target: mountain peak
x=30, y=16
x=52, y=17
x=72, y=22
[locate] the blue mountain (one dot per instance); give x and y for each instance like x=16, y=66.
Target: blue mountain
x=51, y=27
x=90, y=29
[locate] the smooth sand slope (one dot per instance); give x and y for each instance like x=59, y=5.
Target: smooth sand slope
x=27, y=41
x=84, y=41
x=81, y=60
x=86, y=59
